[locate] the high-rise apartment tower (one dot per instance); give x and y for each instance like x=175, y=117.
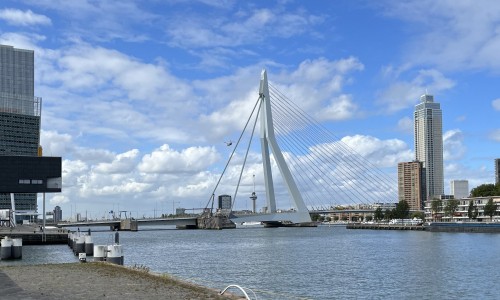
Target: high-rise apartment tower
x=19, y=114
x=429, y=144
x=410, y=184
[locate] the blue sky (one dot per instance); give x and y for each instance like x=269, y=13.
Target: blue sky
x=138, y=96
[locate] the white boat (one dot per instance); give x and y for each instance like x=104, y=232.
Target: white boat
x=251, y=224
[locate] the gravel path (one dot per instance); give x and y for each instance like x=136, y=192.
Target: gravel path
x=100, y=281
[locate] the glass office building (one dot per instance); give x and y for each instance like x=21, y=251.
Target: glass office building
x=20, y=113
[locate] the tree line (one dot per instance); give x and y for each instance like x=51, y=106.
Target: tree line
x=486, y=190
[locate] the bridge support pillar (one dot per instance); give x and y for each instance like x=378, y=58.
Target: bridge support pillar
x=128, y=225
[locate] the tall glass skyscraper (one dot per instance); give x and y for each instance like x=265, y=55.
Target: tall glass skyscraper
x=20, y=113
x=429, y=144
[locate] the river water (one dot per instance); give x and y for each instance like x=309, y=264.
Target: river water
x=312, y=263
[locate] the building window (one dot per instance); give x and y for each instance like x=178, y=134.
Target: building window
x=36, y=181
x=24, y=181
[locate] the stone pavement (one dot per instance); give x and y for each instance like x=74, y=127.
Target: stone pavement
x=9, y=290
x=85, y=281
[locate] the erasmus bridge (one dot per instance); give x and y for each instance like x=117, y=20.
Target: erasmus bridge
x=306, y=168
x=319, y=172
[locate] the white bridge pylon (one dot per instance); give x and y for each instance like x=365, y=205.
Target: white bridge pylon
x=268, y=141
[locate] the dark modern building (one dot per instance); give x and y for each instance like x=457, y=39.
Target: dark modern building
x=57, y=214
x=20, y=113
x=224, y=202
x=30, y=174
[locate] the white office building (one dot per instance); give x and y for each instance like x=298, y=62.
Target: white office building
x=429, y=144
x=459, y=188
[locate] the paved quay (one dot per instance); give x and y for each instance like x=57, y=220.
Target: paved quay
x=95, y=281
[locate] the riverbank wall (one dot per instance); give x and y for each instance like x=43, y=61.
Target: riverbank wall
x=433, y=227
x=384, y=226
x=464, y=227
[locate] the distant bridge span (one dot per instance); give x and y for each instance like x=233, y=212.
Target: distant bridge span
x=133, y=224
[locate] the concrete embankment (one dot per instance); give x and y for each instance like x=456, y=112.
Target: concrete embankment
x=95, y=281
x=434, y=227
x=385, y=226
x=464, y=227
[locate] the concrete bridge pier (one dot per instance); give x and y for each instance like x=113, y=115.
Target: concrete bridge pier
x=126, y=225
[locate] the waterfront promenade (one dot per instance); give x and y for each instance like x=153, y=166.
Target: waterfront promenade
x=95, y=281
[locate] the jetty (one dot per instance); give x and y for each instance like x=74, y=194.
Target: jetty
x=34, y=234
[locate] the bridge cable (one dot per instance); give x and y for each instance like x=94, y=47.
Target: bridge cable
x=246, y=155
x=308, y=155
x=353, y=162
x=232, y=153
x=356, y=162
x=318, y=170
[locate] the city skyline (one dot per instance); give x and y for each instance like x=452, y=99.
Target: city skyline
x=139, y=98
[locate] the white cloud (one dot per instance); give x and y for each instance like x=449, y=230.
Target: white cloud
x=406, y=125
x=496, y=104
x=245, y=27
x=122, y=163
x=475, y=175
x=317, y=84
x=454, y=34
x=129, y=99
x=58, y=199
x=103, y=20
x=453, y=145
x=55, y=144
x=402, y=94
x=23, y=18
x=21, y=41
x=495, y=135
x=340, y=108
x=167, y=160
x=382, y=153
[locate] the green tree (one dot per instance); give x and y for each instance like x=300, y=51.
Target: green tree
x=419, y=215
x=389, y=214
x=314, y=217
x=368, y=218
x=451, y=207
x=402, y=210
x=436, y=206
x=486, y=190
x=490, y=208
x=472, y=211
x=379, y=214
